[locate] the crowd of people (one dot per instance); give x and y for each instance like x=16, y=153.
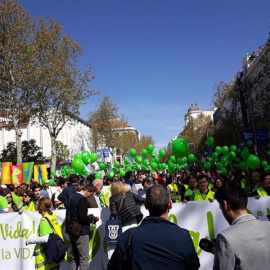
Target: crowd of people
x=77, y=194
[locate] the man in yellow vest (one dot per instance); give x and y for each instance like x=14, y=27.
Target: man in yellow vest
x=174, y=190
x=264, y=189
x=203, y=193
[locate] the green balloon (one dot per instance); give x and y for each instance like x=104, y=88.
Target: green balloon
x=144, y=152
x=232, y=155
x=191, y=158
x=162, y=153
x=185, y=166
x=219, y=165
x=179, y=147
x=267, y=169
x=132, y=152
x=53, y=174
x=77, y=165
x=77, y=156
x=101, y=165
x=233, y=148
x=51, y=182
x=179, y=161
x=111, y=174
x=249, y=143
x=178, y=167
x=218, y=150
x=156, y=159
x=184, y=160
x=210, y=141
x=170, y=165
x=243, y=165
x=264, y=163
x=126, y=160
x=150, y=148
x=122, y=173
x=85, y=153
x=117, y=164
x=153, y=166
x=253, y=162
x=223, y=171
x=86, y=159
x=153, y=154
x=172, y=159
x=138, y=159
x=207, y=166
x=163, y=166
x=210, y=159
x=225, y=150
x=245, y=154
x=94, y=157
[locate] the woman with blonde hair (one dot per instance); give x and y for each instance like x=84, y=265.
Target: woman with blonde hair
x=124, y=206
x=48, y=224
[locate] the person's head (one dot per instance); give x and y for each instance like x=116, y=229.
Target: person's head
x=117, y=187
x=37, y=188
x=232, y=200
x=127, y=187
x=98, y=184
x=128, y=175
x=47, y=184
x=90, y=178
x=73, y=179
x=255, y=176
x=8, y=196
x=158, y=201
x=88, y=190
x=154, y=175
x=44, y=206
x=203, y=183
x=146, y=183
x=19, y=191
x=218, y=182
x=63, y=182
x=28, y=196
x=193, y=183
x=265, y=180
x=80, y=185
x=141, y=175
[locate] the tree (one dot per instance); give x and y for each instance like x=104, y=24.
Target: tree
x=62, y=87
x=106, y=124
x=17, y=66
x=196, y=132
x=30, y=152
x=144, y=142
x=62, y=152
x=124, y=141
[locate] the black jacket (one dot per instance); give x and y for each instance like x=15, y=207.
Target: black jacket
x=129, y=208
x=65, y=195
x=156, y=244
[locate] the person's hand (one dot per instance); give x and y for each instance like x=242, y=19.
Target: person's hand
x=20, y=211
x=210, y=200
x=185, y=201
x=257, y=197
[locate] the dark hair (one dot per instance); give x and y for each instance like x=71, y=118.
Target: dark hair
x=141, y=172
x=89, y=187
x=90, y=178
x=62, y=181
x=201, y=176
x=35, y=185
x=29, y=193
x=73, y=179
x=147, y=181
x=234, y=195
x=157, y=200
x=263, y=176
x=128, y=175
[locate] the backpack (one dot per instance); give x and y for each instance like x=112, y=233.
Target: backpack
x=55, y=249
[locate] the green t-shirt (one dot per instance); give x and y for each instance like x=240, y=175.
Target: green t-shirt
x=3, y=202
x=188, y=192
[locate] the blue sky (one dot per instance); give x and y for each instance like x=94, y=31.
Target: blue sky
x=155, y=58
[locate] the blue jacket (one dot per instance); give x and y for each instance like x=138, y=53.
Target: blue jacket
x=156, y=244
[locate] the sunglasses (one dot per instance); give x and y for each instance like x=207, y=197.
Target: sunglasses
x=25, y=196
x=8, y=197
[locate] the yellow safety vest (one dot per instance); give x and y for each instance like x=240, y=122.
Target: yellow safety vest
x=262, y=192
x=198, y=196
x=210, y=186
x=186, y=186
x=40, y=257
x=174, y=192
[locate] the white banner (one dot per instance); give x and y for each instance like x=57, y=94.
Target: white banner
x=202, y=219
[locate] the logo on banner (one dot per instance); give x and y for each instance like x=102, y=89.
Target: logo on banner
x=113, y=231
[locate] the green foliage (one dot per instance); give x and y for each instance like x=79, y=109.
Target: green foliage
x=62, y=152
x=30, y=152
